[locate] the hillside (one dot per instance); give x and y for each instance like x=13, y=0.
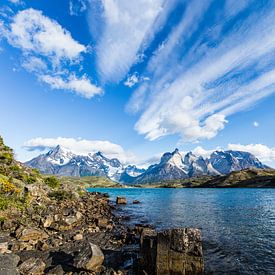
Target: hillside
x=89, y=182
x=51, y=225
x=244, y=178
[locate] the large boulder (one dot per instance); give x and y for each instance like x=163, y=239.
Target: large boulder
x=32, y=266
x=175, y=251
x=179, y=251
x=30, y=234
x=90, y=258
x=121, y=200
x=8, y=264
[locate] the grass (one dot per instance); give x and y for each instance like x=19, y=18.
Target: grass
x=89, y=182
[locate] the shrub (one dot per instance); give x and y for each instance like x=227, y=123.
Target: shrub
x=52, y=181
x=8, y=187
x=60, y=195
x=31, y=179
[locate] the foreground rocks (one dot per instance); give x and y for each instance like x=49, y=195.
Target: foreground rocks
x=175, y=251
x=81, y=235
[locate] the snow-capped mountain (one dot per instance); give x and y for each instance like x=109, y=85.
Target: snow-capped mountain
x=175, y=166
x=61, y=161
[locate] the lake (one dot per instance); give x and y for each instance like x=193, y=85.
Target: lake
x=238, y=225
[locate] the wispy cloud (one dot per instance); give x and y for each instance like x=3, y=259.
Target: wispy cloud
x=214, y=72
x=49, y=51
x=81, y=146
x=76, y=7
x=256, y=124
x=127, y=27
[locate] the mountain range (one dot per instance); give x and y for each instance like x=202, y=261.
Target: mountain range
x=63, y=162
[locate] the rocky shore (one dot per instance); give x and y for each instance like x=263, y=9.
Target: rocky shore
x=81, y=235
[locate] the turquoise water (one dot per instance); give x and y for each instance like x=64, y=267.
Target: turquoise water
x=237, y=224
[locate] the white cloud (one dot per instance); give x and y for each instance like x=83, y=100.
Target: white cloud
x=31, y=31
x=127, y=27
x=77, y=6
x=199, y=91
x=133, y=79
x=49, y=51
x=256, y=124
x=81, y=146
x=34, y=64
x=81, y=86
x=17, y=2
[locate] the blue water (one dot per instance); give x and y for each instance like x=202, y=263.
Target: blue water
x=238, y=225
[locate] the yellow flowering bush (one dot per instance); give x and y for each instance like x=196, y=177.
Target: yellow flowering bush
x=8, y=187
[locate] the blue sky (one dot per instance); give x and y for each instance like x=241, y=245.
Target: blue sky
x=137, y=78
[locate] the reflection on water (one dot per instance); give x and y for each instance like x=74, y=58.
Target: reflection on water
x=237, y=224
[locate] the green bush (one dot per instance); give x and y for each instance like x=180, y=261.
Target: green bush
x=52, y=181
x=60, y=195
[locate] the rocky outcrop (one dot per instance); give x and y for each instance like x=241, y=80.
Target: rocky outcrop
x=175, y=251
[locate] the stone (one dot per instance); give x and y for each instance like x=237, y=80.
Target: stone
x=179, y=251
x=78, y=237
x=90, y=258
x=8, y=264
x=102, y=222
x=136, y=201
x=148, y=250
x=4, y=247
x=48, y=221
x=30, y=234
x=57, y=270
x=121, y=200
x=32, y=266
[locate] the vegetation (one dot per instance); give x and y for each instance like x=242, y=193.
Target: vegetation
x=89, y=182
x=244, y=178
x=52, y=182
x=61, y=195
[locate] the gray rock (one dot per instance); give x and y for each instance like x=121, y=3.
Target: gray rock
x=8, y=264
x=90, y=258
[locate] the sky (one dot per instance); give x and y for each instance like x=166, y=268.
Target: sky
x=134, y=79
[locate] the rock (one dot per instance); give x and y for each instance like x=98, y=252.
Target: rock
x=4, y=248
x=136, y=201
x=148, y=249
x=90, y=258
x=9, y=224
x=32, y=266
x=78, y=237
x=48, y=221
x=102, y=222
x=179, y=251
x=8, y=264
x=121, y=200
x=57, y=270
x=30, y=234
